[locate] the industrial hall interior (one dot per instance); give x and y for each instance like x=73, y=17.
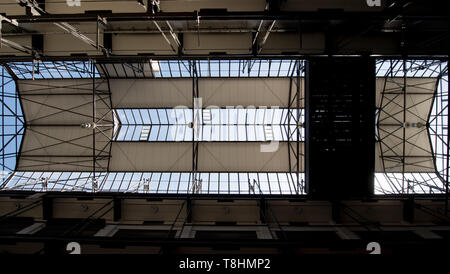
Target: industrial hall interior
x=224, y=127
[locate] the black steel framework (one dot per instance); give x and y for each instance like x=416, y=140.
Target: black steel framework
x=100, y=123
x=416, y=23
x=99, y=76
x=98, y=88
x=197, y=183
x=387, y=183
x=397, y=73
x=297, y=115
x=12, y=123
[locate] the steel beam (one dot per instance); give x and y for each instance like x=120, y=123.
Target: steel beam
x=38, y=11
x=235, y=15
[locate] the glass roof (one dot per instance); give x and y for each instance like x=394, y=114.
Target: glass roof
x=155, y=69
x=161, y=183
x=213, y=124
x=414, y=183
x=53, y=70
x=174, y=125
x=204, y=68
x=414, y=68
x=421, y=183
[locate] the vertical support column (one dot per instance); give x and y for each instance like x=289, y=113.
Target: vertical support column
x=195, y=126
x=287, y=122
x=93, y=117
x=102, y=124
x=298, y=122
x=294, y=103
x=94, y=159
x=408, y=210
x=404, y=128
x=16, y=129
x=448, y=149
x=188, y=211
x=47, y=208
x=3, y=126
x=117, y=203
x=336, y=212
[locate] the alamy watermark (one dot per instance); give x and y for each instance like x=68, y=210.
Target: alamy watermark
x=73, y=248
x=373, y=3
x=370, y=3
x=73, y=3
x=199, y=120
x=374, y=248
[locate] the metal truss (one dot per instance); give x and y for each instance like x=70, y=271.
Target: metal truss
x=395, y=143
x=12, y=44
x=197, y=182
x=269, y=21
x=12, y=124
x=37, y=11
x=173, y=34
x=98, y=124
x=297, y=115
x=393, y=123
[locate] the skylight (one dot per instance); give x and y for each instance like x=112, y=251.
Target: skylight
x=425, y=182
x=213, y=124
x=216, y=124
x=205, y=68
x=53, y=70
x=161, y=183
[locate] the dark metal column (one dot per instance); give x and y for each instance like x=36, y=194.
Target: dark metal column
x=294, y=104
x=94, y=123
x=448, y=151
x=340, y=127
x=297, y=128
x=195, y=126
